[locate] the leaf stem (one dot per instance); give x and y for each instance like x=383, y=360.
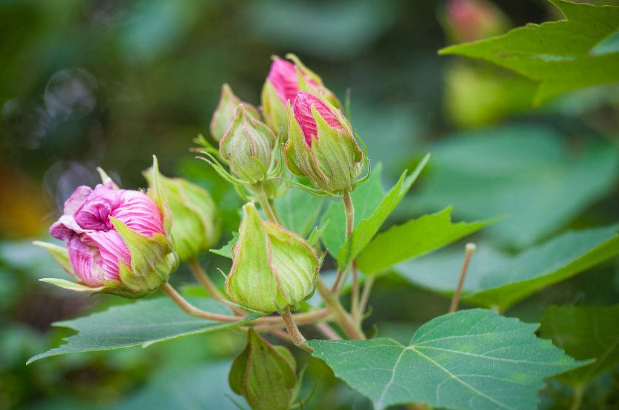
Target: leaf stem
x=209, y=286
x=341, y=316
x=470, y=248
x=327, y=331
x=354, y=298
x=365, y=296
x=194, y=311
x=293, y=330
x=349, y=210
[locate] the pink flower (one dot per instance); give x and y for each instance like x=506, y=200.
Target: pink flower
x=302, y=111
x=283, y=76
x=95, y=248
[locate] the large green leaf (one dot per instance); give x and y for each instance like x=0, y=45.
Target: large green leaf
x=472, y=360
x=495, y=279
x=584, y=333
x=299, y=210
x=204, y=387
x=415, y=238
x=368, y=227
x=142, y=323
x=365, y=199
x=563, y=55
x=524, y=172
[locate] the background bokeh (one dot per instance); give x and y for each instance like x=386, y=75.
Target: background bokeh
x=109, y=83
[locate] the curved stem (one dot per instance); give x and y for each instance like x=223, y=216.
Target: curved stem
x=204, y=279
x=293, y=330
x=194, y=311
x=354, y=304
x=327, y=331
x=210, y=287
x=470, y=248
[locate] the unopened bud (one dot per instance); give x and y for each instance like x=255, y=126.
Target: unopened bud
x=272, y=268
x=226, y=111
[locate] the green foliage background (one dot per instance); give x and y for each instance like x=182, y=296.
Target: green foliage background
x=109, y=82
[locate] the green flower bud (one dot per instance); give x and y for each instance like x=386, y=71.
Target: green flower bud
x=196, y=226
x=321, y=145
x=264, y=375
x=225, y=112
x=248, y=147
x=271, y=267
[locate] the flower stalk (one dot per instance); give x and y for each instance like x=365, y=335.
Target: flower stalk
x=293, y=330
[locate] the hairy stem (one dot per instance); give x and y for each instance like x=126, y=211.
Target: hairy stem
x=349, y=210
x=293, y=330
x=341, y=316
x=470, y=248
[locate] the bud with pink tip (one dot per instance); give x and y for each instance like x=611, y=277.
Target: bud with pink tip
x=284, y=81
x=117, y=241
x=472, y=20
x=321, y=145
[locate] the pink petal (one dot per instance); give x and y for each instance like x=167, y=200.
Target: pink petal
x=302, y=112
x=112, y=250
x=139, y=213
x=76, y=199
x=83, y=260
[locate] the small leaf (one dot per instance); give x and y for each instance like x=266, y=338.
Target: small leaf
x=415, y=238
x=142, y=323
x=495, y=279
x=557, y=54
x=226, y=251
x=469, y=360
x=585, y=333
x=299, y=210
x=367, y=228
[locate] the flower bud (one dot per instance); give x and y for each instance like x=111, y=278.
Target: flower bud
x=321, y=145
x=116, y=239
x=196, y=218
x=271, y=267
x=225, y=112
x=264, y=375
x=248, y=147
x=282, y=85
x=472, y=20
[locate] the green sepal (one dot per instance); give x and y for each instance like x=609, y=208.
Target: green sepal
x=274, y=110
x=76, y=287
x=152, y=259
x=60, y=254
x=157, y=193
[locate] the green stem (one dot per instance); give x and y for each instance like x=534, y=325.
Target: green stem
x=264, y=202
x=579, y=393
x=349, y=210
x=341, y=316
